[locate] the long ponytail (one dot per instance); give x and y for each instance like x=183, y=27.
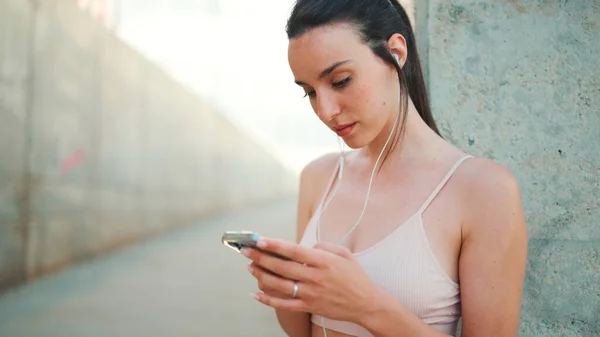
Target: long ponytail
x=414, y=73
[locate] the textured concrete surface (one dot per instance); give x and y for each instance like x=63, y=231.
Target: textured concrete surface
x=516, y=81
x=100, y=148
x=183, y=284
x=15, y=32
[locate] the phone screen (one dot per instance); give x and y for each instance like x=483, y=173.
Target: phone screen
x=237, y=240
x=240, y=239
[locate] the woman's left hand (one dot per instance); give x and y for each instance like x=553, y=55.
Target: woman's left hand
x=330, y=281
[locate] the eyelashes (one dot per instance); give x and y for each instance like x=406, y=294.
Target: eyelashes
x=341, y=83
x=337, y=85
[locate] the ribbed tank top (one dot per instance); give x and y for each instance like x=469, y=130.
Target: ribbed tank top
x=404, y=265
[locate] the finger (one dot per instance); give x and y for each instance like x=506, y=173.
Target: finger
x=292, y=304
x=270, y=283
x=293, y=251
x=334, y=249
x=264, y=289
x=284, y=268
x=276, y=294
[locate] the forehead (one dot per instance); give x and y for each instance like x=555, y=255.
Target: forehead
x=321, y=46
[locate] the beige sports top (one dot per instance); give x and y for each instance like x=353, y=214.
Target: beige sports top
x=404, y=265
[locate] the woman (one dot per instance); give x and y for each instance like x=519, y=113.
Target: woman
x=443, y=236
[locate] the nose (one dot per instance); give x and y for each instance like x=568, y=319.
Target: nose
x=326, y=107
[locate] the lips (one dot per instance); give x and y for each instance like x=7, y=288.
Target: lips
x=344, y=129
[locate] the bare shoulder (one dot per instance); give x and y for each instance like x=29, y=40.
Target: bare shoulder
x=316, y=174
x=480, y=174
x=319, y=165
x=489, y=189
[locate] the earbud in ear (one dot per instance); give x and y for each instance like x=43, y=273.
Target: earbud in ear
x=396, y=58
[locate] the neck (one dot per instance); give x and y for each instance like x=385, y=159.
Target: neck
x=417, y=141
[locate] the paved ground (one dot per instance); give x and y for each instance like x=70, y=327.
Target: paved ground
x=183, y=284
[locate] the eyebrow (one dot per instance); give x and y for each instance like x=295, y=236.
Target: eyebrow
x=327, y=71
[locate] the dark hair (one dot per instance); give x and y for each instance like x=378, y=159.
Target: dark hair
x=376, y=21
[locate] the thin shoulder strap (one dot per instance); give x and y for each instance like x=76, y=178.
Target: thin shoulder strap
x=442, y=183
x=334, y=174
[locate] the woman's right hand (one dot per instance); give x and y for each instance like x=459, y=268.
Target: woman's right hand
x=266, y=277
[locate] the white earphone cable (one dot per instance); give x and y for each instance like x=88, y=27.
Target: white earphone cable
x=337, y=183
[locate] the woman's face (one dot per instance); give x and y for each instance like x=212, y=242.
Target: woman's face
x=352, y=91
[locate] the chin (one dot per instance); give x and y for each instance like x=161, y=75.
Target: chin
x=354, y=142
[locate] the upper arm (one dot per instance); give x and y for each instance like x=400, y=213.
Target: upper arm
x=304, y=203
x=313, y=178
x=493, y=254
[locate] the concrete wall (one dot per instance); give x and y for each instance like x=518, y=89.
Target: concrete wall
x=100, y=148
x=518, y=81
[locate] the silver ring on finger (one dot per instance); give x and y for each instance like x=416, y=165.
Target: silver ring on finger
x=295, y=290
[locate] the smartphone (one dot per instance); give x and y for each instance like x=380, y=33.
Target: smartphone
x=237, y=240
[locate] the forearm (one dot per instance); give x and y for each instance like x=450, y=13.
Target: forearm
x=388, y=318
x=294, y=324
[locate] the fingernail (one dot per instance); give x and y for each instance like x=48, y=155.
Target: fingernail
x=245, y=252
x=251, y=270
x=255, y=296
x=261, y=244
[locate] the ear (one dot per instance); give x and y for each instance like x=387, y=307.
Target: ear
x=397, y=46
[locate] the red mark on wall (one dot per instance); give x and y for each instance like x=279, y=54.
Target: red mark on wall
x=72, y=161
x=100, y=10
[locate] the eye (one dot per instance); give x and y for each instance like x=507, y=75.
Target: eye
x=342, y=83
x=310, y=94
x=338, y=85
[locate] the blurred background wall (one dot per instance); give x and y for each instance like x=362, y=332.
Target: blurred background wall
x=100, y=148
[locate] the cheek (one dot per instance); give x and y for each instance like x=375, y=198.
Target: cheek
x=369, y=101
x=362, y=98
